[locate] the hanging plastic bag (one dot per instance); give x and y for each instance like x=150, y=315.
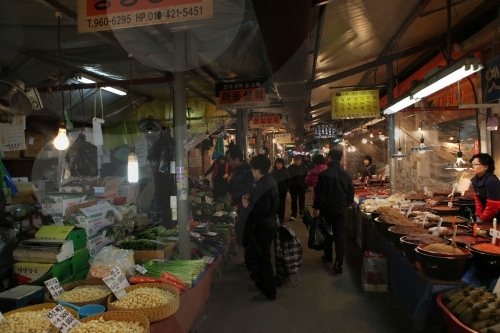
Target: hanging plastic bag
x=319, y=234
x=6, y=181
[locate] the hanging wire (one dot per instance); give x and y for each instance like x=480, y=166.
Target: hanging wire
x=59, y=15
x=131, y=100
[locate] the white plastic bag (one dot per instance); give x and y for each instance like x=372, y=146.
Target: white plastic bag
x=109, y=257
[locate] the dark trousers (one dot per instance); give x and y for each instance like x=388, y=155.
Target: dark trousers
x=281, y=208
x=301, y=199
x=336, y=222
x=258, y=260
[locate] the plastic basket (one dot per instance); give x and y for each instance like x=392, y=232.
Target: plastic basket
x=153, y=313
x=452, y=323
x=121, y=316
x=72, y=285
x=37, y=307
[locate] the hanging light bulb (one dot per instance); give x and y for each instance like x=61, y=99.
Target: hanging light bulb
x=421, y=149
x=364, y=141
x=371, y=135
x=353, y=149
x=381, y=137
x=399, y=155
x=133, y=167
x=61, y=141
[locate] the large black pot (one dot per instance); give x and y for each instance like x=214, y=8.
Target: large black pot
x=410, y=243
x=395, y=234
x=442, y=267
x=382, y=227
x=488, y=264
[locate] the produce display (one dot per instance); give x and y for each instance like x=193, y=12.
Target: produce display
x=392, y=215
x=108, y=326
x=186, y=270
x=27, y=322
x=145, y=297
x=487, y=247
x=475, y=307
x=85, y=294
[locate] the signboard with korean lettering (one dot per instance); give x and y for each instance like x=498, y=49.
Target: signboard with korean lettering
x=355, y=104
x=325, y=131
x=99, y=15
x=266, y=121
x=490, y=76
x=239, y=95
x=282, y=138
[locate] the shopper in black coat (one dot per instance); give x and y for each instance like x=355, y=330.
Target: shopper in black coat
x=298, y=187
x=261, y=227
x=240, y=184
x=334, y=193
x=282, y=178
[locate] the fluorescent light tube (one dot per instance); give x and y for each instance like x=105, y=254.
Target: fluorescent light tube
x=405, y=102
x=116, y=91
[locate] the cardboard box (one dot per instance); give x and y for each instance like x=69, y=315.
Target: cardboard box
x=12, y=154
x=129, y=191
x=106, y=188
x=79, y=261
x=34, y=143
x=100, y=240
x=165, y=254
x=93, y=216
x=20, y=296
x=39, y=272
x=77, y=235
x=78, y=186
x=59, y=203
x=27, y=194
x=48, y=251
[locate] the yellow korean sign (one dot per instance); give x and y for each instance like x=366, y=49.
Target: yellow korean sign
x=355, y=104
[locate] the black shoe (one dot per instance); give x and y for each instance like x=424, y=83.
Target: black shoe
x=337, y=268
x=324, y=258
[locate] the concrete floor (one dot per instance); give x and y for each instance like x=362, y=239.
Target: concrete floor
x=321, y=302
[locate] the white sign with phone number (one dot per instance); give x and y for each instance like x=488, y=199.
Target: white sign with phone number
x=99, y=15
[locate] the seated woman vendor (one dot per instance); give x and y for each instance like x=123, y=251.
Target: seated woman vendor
x=486, y=188
x=368, y=170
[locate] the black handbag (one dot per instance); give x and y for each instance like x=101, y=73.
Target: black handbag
x=319, y=234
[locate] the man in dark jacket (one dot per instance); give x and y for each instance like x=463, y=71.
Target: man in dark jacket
x=282, y=178
x=298, y=187
x=240, y=184
x=334, y=194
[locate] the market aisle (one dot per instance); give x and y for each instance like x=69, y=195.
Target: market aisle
x=321, y=302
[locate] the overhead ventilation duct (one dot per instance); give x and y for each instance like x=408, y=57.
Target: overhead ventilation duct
x=13, y=101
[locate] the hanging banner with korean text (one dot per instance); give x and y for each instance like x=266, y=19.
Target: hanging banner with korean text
x=99, y=15
x=490, y=76
x=355, y=104
x=240, y=95
x=266, y=121
x=325, y=131
x=282, y=138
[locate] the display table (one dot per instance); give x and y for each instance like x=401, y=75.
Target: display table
x=416, y=292
x=191, y=302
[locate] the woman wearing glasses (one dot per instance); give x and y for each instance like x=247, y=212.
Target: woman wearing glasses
x=486, y=188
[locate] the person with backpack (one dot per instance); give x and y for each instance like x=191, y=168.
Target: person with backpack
x=282, y=178
x=334, y=193
x=261, y=227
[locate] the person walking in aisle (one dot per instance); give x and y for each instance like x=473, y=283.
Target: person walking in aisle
x=312, y=176
x=261, y=227
x=282, y=178
x=298, y=188
x=334, y=193
x=240, y=184
x=308, y=163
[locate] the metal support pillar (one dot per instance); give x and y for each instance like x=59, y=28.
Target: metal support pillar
x=180, y=137
x=242, y=131
x=390, y=126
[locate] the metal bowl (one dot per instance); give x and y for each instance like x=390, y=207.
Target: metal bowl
x=16, y=213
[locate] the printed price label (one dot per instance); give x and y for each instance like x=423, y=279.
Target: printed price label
x=208, y=260
x=211, y=233
x=62, y=319
x=120, y=278
x=54, y=287
x=115, y=287
x=494, y=234
x=140, y=269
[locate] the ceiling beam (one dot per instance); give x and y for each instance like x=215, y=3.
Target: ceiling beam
x=113, y=83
